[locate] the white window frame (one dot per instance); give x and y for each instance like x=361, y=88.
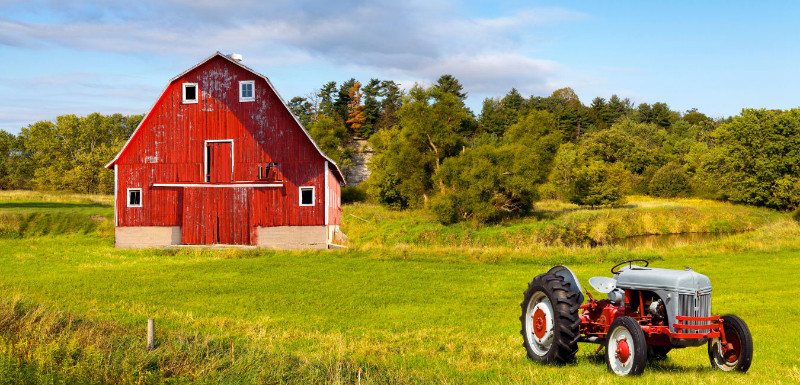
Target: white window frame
x=251, y=98
x=206, y=176
x=128, y=197
x=313, y=195
x=196, y=93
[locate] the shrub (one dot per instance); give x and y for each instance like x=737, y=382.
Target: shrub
x=600, y=184
x=352, y=194
x=670, y=181
x=796, y=214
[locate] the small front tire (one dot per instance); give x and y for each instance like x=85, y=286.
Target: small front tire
x=739, y=354
x=626, y=347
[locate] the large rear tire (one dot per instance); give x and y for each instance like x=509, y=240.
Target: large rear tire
x=740, y=342
x=550, y=323
x=626, y=347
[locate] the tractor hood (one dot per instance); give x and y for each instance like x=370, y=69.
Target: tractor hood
x=645, y=278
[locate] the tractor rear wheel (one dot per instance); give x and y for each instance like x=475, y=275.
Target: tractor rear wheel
x=550, y=323
x=626, y=347
x=739, y=353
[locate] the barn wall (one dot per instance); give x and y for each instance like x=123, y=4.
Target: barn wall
x=334, y=199
x=169, y=148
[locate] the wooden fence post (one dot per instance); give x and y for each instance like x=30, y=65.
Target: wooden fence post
x=151, y=333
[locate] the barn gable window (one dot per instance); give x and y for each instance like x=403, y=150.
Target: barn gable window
x=307, y=196
x=247, y=91
x=190, y=93
x=134, y=197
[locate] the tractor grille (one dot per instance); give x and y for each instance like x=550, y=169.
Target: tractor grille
x=695, y=306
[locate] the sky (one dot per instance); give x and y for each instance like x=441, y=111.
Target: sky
x=80, y=57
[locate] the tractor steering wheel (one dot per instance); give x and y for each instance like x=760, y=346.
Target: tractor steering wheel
x=630, y=263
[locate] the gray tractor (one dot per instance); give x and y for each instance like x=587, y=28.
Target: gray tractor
x=649, y=311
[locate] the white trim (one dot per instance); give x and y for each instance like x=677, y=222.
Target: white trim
x=251, y=98
x=128, y=197
x=206, y=177
x=327, y=209
x=269, y=83
x=300, y=195
x=116, y=184
x=196, y=93
x=218, y=185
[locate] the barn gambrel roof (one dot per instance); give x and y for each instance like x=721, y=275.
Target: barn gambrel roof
x=339, y=174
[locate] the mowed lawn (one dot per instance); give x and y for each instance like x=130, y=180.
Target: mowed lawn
x=400, y=313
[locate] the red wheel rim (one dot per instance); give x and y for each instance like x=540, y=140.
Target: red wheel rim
x=734, y=348
x=539, y=323
x=623, y=350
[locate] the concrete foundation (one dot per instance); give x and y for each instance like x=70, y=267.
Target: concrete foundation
x=134, y=237
x=293, y=237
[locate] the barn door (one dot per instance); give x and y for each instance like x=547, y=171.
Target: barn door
x=219, y=162
x=216, y=215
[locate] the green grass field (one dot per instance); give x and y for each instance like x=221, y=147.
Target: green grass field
x=411, y=301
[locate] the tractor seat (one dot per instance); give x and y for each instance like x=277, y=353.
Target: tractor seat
x=603, y=284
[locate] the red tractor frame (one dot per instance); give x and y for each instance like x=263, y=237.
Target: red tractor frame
x=648, y=313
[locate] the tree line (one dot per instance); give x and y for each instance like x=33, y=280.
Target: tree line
x=432, y=151
x=66, y=155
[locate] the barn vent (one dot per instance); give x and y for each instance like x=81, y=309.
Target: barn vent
x=236, y=57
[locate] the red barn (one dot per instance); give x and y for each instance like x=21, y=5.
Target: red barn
x=220, y=159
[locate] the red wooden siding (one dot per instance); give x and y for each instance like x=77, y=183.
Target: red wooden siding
x=334, y=199
x=170, y=147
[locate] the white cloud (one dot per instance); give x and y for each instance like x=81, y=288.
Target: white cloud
x=415, y=40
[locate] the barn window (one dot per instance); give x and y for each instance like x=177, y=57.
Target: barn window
x=190, y=92
x=247, y=91
x=307, y=196
x=134, y=197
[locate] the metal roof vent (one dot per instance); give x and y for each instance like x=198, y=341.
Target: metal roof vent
x=236, y=57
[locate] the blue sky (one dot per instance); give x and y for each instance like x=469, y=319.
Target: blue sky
x=103, y=56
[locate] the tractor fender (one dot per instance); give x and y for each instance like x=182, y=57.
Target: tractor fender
x=569, y=277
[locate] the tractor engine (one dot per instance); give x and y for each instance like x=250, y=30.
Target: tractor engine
x=669, y=293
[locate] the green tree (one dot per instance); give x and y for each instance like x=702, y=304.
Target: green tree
x=372, y=107
x=332, y=137
x=491, y=182
x=343, y=99
x=302, y=109
x=670, y=181
x=430, y=129
x=599, y=183
x=756, y=158
x=326, y=99
x=450, y=85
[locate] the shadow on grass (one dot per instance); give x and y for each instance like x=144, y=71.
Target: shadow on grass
x=47, y=205
x=654, y=365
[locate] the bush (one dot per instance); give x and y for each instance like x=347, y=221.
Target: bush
x=796, y=214
x=670, y=181
x=352, y=194
x=600, y=184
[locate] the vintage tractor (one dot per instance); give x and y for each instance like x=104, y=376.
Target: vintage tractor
x=648, y=312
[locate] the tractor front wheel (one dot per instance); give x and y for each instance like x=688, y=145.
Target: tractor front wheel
x=550, y=323
x=626, y=347
x=738, y=354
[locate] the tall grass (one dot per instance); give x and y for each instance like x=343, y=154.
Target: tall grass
x=552, y=224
